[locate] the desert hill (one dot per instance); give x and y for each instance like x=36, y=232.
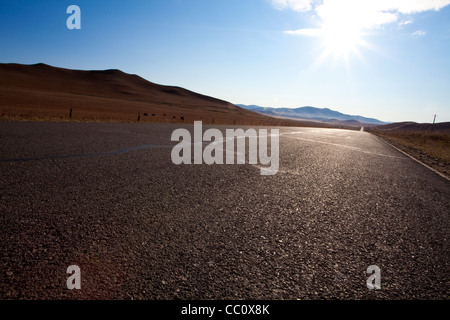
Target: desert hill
x=43, y=92
x=409, y=126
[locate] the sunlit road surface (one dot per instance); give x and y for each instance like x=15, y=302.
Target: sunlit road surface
x=108, y=198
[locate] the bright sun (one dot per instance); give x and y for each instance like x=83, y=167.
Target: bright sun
x=342, y=29
x=342, y=35
x=340, y=40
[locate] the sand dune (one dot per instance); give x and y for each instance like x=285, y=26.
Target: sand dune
x=43, y=92
x=408, y=126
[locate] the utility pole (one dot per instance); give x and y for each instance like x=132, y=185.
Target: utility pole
x=434, y=120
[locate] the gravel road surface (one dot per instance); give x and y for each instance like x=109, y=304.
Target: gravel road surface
x=108, y=198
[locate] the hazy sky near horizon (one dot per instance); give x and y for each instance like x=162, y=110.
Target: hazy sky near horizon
x=386, y=59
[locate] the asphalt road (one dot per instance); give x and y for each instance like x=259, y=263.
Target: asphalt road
x=108, y=198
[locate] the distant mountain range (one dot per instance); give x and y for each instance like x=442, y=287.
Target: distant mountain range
x=312, y=113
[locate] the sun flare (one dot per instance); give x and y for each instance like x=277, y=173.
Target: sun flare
x=341, y=39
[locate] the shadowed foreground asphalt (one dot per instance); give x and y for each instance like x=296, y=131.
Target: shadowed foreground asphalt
x=108, y=198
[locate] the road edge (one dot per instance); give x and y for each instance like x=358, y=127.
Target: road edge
x=410, y=156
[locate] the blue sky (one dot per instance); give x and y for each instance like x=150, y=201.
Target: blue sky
x=384, y=59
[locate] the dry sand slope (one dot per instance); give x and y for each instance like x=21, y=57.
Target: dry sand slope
x=42, y=92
